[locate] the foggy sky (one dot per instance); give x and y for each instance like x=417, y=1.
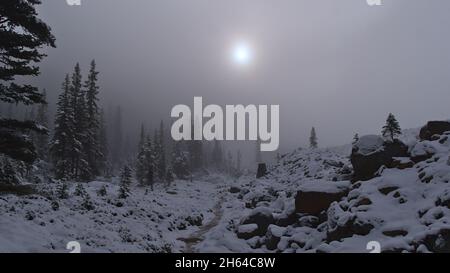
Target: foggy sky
x=340, y=66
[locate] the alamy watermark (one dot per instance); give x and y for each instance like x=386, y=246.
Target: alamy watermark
x=73, y=2
x=235, y=126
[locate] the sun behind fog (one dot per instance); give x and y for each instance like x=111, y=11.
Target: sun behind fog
x=242, y=54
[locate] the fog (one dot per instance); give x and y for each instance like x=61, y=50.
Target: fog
x=340, y=66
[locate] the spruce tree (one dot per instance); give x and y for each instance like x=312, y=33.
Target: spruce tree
x=180, y=161
x=22, y=35
x=313, y=139
x=91, y=146
x=125, y=182
x=62, y=136
x=355, y=139
x=161, y=152
x=392, y=128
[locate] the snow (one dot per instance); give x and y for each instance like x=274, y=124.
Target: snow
x=405, y=210
x=369, y=144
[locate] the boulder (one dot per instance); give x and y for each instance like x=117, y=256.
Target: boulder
x=262, y=170
x=371, y=152
x=342, y=224
x=262, y=217
x=422, y=151
x=234, y=189
x=315, y=197
x=434, y=128
x=247, y=231
x=273, y=236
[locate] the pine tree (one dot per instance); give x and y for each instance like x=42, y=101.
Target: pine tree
x=180, y=161
x=313, y=139
x=125, y=182
x=62, y=137
x=141, y=165
x=169, y=176
x=392, y=128
x=161, y=164
x=79, y=167
x=355, y=139
x=91, y=145
x=22, y=35
x=63, y=191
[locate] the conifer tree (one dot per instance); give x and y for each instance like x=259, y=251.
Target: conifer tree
x=313, y=139
x=91, y=145
x=392, y=128
x=62, y=137
x=180, y=161
x=161, y=164
x=355, y=139
x=125, y=182
x=22, y=35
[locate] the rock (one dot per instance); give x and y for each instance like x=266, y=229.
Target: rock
x=247, y=231
x=438, y=241
x=285, y=220
x=371, y=152
x=434, y=128
x=273, y=236
x=344, y=224
x=262, y=217
x=395, y=233
x=195, y=220
x=386, y=190
x=309, y=221
x=262, y=170
x=234, y=189
x=317, y=196
x=422, y=151
x=333, y=163
x=444, y=199
x=402, y=163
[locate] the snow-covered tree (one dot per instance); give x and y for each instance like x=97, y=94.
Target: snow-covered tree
x=355, y=139
x=22, y=34
x=125, y=182
x=313, y=139
x=91, y=146
x=62, y=136
x=392, y=128
x=180, y=161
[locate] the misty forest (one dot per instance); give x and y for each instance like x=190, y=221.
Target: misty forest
x=72, y=170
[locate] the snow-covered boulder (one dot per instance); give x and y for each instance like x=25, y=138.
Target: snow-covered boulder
x=434, y=128
x=262, y=217
x=273, y=236
x=371, y=152
x=316, y=196
x=247, y=231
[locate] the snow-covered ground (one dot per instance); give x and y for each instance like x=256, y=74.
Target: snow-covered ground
x=403, y=209
x=144, y=222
